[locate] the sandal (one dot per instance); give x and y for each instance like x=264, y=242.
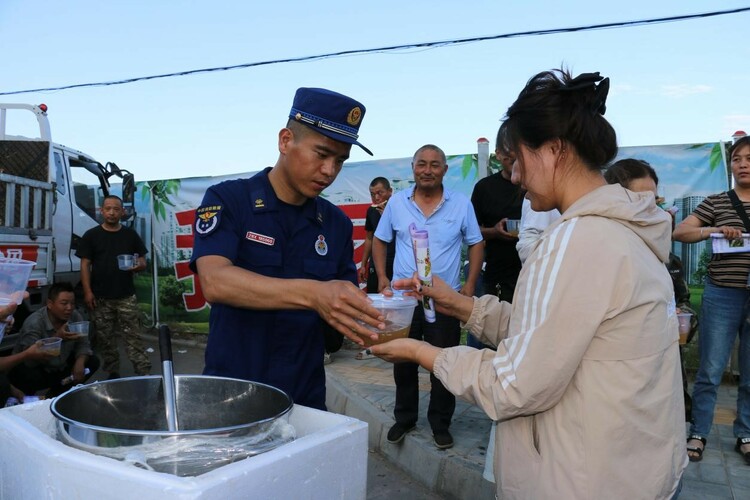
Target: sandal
x=738, y=448
x=694, y=449
x=364, y=355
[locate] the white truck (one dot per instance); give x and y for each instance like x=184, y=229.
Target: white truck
x=49, y=197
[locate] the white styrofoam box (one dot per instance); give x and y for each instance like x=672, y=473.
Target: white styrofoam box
x=720, y=244
x=327, y=460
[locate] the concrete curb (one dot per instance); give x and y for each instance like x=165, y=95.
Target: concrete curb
x=443, y=472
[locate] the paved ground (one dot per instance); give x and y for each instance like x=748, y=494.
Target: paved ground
x=415, y=469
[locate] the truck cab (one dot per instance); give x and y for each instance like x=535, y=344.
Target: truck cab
x=50, y=196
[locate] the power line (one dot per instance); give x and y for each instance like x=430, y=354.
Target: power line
x=392, y=48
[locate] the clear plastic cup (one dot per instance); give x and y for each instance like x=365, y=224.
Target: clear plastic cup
x=3, y=324
x=14, y=278
x=79, y=327
x=398, y=311
x=512, y=226
x=52, y=345
x=125, y=261
x=683, y=320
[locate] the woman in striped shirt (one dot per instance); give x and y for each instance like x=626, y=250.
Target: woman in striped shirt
x=724, y=312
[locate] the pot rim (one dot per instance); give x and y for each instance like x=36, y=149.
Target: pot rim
x=62, y=419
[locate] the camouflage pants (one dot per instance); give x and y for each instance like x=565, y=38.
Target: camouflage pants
x=114, y=318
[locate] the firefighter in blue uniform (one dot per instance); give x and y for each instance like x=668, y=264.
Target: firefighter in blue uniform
x=275, y=260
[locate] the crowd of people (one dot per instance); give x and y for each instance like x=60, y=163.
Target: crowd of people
x=575, y=354
x=109, y=303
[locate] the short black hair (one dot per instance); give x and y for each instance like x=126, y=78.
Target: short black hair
x=380, y=180
x=623, y=172
x=112, y=197
x=57, y=288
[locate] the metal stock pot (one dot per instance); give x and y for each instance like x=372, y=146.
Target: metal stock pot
x=220, y=420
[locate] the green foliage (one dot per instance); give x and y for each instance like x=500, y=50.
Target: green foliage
x=170, y=292
x=471, y=162
x=160, y=192
x=702, y=270
x=716, y=158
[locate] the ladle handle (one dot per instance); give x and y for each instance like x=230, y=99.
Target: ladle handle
x=165, y=344
x=170, y=401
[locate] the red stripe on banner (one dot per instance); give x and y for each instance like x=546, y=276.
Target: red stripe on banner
x=355, y=210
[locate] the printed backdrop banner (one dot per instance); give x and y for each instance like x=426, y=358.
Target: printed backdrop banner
x=166, y=213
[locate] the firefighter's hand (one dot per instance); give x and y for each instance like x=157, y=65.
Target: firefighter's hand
x=341, y=305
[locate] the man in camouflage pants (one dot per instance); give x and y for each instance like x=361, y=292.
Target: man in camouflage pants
x=108, y=287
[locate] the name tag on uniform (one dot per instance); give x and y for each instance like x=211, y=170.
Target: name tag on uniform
x=260, y=238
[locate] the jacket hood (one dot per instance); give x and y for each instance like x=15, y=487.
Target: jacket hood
x=636, y=211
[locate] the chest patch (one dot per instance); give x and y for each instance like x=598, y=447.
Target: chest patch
x=260, y=238
x=321, y=247
x=207, y=219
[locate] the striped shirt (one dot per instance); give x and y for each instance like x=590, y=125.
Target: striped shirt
x=725, y=269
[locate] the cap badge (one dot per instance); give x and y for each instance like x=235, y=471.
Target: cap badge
x=321, y=247
x=354, y=116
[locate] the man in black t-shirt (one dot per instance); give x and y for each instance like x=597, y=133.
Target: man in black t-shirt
x=380, y=193
x=496, y=199
x=108, y=289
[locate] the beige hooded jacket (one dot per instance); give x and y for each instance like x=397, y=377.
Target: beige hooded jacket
x=585, y=383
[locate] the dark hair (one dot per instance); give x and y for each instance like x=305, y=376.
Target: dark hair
x=555, y=106
x=433, y=148
x=112, y=197
x=623, y=172
x=299, y=130
x=501, y=141
x=380, y=180
x=742, y=141
x=57, y=288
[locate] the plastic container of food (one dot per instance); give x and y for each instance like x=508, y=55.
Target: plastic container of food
x=52, y=345
x=81, y=328
x=398, y=311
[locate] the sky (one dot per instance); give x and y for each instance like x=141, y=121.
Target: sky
x=671, y=83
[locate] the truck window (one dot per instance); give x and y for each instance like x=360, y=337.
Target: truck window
x=60, y=174
x=87, y=189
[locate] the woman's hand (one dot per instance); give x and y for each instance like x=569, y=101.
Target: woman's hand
x=447, y=300
x=407, y=350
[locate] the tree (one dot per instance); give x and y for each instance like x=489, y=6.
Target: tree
x=170, y=292
x=702, y=271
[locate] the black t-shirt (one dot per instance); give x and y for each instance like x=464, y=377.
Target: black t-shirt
x=495, y=198
x=371, y=224
x=102, y=247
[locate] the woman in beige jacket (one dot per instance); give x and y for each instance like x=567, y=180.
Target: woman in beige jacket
x=585, y=382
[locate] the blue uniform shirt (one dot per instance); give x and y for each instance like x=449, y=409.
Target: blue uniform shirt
x=245, y=222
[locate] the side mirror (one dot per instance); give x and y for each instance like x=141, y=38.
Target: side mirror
x=128, y=196
x=128, y=189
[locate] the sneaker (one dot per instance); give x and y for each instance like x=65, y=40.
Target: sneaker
x=327, y=358
x=443, y=440
x=397, y=432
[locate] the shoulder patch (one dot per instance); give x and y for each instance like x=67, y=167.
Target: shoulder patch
x=207, y=219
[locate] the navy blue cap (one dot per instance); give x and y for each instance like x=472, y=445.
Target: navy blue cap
x=329, y=113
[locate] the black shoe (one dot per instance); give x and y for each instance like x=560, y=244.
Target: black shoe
x=443, y=440
x=397, y=432
x=113, y=375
